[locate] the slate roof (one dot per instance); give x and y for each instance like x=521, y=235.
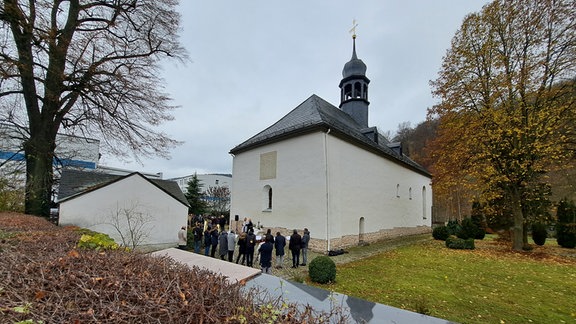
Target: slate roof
x=77, y=182
x=316, y=114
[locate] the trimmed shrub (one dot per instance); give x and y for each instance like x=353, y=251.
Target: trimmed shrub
x=468, y=229
x=477, y=216
x=478, y=220
x=539, y=233
x=453, y=227
x=440, y=233
x=322, y=270
x=454, y=242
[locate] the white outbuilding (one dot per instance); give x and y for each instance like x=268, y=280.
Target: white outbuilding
x=323, y=168
x=133, y=209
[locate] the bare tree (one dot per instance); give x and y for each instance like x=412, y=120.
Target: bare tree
x=87, y=68
x=131, y=223
x=218, y=199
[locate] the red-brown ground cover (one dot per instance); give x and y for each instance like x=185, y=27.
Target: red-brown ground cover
x=46, y=278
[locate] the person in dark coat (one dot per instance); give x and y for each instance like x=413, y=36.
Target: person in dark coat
x=222, y=222
x=269, y=236
x=214, y=236
x=265, y=251
x=279, y=245
x=249, y=225
x=250, y=243
x=304, y=250
x=207, y=241
x=223, y=243
x=294, y=246
x=197, y=237
x=241, y=248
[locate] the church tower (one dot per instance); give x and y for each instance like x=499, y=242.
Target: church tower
x=354, y=88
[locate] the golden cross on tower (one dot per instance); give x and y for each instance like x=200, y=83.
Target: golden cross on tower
x=353, y=29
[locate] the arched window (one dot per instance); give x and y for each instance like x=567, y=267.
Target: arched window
x=357, y=90
x=347, y=92
x=398, y=191
x=267, y=198
x=410, y=193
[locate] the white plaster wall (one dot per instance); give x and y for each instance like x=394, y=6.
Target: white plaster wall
x=298, y=191
x=363, y=184
x=93, y=210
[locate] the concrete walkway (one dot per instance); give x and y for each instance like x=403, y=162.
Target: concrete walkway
x=357, y=310
x=232, y=271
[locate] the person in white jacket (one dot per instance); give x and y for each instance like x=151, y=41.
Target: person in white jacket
x=231, y=245
x=182, y=238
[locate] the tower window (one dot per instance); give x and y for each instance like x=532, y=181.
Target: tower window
x=347, y=92
x=357, y=90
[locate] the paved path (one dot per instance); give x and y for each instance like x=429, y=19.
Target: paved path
x=232, y=271
x=357, y=310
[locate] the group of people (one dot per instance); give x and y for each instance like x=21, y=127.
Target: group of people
x=216, y=238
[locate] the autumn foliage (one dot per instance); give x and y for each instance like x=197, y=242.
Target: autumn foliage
x=47, y=279
x=507, y=105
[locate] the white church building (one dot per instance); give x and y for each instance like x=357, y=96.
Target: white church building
x=323, y=168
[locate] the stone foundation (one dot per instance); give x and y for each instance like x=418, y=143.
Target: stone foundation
x=320, y=245
x=353, y=240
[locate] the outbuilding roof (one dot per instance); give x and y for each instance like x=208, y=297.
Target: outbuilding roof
x=74, y=183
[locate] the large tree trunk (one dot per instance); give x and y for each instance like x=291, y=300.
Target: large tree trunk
x=518, y=216
x=39, y=151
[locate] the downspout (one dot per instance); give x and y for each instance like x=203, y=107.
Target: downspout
x=327, y=190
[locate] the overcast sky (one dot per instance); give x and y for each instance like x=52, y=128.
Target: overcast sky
x=252, y=62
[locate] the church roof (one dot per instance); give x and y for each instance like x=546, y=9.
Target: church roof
x=76, y=182
x=316, y=114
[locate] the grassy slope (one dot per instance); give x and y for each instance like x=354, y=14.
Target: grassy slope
x=489, y=285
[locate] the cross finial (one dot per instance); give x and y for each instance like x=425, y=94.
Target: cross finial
x=353, y=29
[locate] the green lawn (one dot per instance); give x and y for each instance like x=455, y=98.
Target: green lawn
x=486, y=285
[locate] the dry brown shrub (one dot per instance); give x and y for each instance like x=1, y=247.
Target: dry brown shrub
x=46, y=278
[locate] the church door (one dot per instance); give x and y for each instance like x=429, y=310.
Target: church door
x=361, y=231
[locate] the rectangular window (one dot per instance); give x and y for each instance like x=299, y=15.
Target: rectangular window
x=268, y=165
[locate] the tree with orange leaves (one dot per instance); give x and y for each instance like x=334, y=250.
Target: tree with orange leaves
x=507, y=102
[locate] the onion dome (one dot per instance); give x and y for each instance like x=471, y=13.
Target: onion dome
x=355, y=66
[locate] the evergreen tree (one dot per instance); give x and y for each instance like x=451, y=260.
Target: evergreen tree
x=477, y=218
x=566, y=226
x=194, y=196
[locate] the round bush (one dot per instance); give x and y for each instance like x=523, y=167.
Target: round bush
x=453, y=227
x=478, y=220
x=468, y=229
x=440, y=233
x=454, y=242
x=322, y=269
x=539, y=233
